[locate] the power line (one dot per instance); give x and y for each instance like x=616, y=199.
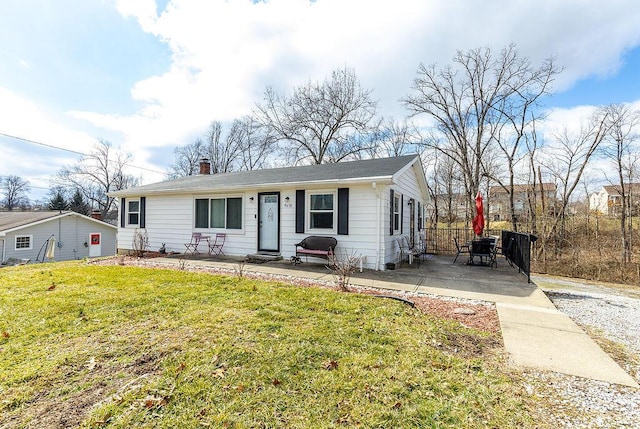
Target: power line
x=42, y=144
x=72, y=151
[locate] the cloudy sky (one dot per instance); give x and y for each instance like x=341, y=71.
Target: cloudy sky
x=151, y=75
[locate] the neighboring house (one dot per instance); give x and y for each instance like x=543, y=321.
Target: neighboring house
x=452, y=208
x=366, y=205
x=25, y=235
x=499, y=201
x=608, y=200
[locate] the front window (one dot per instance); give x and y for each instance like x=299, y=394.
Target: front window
x=24, y=242
x=133, y=212
x=219, y=213
x=396, y=212
x=321, y=210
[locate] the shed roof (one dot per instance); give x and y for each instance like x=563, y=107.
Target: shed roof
x=14, y=219
x=369, y=169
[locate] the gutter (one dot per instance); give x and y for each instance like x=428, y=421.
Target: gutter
x=374, y=185
x=206, y=188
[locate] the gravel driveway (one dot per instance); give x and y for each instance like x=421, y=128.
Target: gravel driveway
x=615, y=313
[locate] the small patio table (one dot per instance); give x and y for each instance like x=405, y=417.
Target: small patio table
x=485, y=250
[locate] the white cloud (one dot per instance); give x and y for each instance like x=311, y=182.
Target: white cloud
x=24, y=118
x=225, y=53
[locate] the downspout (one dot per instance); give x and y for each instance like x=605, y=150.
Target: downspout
x=4, y=244
x=378, y=226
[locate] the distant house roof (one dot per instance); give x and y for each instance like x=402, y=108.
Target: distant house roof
x=615, y=189
x=13, y=220
x=522, y=188
x=371, y=169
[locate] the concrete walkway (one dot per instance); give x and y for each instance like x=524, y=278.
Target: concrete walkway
x=536, y=335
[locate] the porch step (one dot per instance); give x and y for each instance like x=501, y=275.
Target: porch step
x=260, y=258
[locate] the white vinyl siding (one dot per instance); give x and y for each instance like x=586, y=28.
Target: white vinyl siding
x=406, y=186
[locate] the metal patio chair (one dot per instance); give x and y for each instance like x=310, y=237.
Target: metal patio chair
x=460, y=248
x=192, y=246
x=215, y=248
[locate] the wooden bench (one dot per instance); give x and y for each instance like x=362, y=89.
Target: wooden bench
x=315, y=246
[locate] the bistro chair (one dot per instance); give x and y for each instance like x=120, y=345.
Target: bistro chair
x=460, y=248
x=215, y=248
x=192, y=246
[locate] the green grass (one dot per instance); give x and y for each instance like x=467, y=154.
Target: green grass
x=125, y=347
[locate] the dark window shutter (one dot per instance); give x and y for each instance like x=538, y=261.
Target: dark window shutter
x=123, y=213
x=391, y=214
x=419, y=217
x=401, y=212
x=300, y=211
x=143, y=212
x=343, y=211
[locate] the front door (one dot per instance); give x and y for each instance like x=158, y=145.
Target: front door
x=95, y=248
x=269, y=222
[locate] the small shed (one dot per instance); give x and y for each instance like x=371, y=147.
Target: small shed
x=53, y=236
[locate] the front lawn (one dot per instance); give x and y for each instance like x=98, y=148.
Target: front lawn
x=127, y=347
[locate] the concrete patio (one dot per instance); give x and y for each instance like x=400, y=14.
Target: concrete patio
x=536, y=335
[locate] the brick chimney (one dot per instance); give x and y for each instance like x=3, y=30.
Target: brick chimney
x=96, y=214
x=205, y=166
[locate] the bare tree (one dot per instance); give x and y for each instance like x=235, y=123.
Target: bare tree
x=393, y=138
x=223, y=152
x=444, y=184
x=14, y=189
x=532, y=145
x=520, y=113
x=473, y=100
x=256, y=141
x=187, y=159
x=621, y=149
x=320, y=122
x=97, y=174
x=567, y=160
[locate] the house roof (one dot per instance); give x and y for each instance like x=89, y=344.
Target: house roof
x=615, y=189
x=370, y=169
x=14, y=220
x=522, y=188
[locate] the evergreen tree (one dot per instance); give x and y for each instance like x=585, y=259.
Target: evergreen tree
x=57, y=202
x=78, y=204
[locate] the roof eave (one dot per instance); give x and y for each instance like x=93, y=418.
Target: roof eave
x=219, y=189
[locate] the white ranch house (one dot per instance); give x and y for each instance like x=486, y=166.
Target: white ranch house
x=366, y=205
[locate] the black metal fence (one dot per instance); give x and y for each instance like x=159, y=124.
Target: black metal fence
x=516, y=246
x=440, y=240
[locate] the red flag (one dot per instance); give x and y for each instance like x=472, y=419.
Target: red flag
x=478, y=221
